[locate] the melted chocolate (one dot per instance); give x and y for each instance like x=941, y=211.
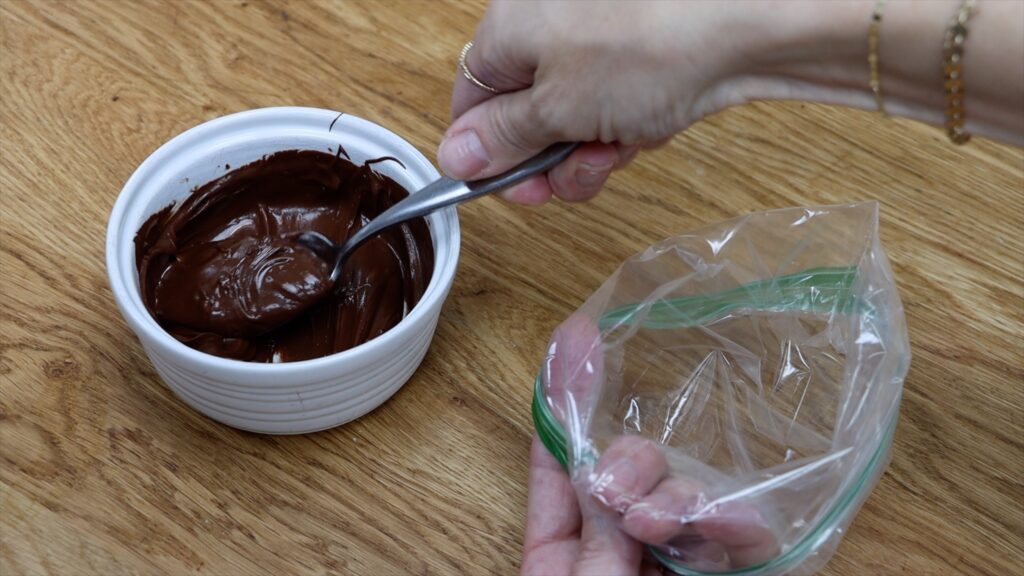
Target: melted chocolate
x=222, y=271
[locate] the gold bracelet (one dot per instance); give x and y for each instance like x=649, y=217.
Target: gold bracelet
x=873, y=30
x=953, y=53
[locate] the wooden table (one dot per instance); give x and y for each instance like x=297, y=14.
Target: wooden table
x=104, y=471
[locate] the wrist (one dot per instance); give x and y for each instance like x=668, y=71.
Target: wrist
x=814, y=51
x=817, y=51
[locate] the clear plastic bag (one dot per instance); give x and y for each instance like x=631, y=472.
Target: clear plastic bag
x=729, y=396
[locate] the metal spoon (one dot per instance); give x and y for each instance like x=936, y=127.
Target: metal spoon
x=434, y=196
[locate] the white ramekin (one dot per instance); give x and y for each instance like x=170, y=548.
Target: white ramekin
x=294, y=397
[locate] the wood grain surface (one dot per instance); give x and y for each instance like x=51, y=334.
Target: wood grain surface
x=105, y=471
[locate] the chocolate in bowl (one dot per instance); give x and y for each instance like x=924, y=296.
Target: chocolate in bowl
x=222, y=272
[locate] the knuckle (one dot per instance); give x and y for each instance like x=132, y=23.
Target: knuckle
x=485, y=63
x=506, y=129
x=545, y=113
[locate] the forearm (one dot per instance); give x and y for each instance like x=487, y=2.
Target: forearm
x=818, y=51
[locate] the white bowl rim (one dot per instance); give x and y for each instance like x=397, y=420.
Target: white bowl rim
x=445, y=263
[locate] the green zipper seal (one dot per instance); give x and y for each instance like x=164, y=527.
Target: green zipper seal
x=812, y=290
x=818, y=290
x=550, y=432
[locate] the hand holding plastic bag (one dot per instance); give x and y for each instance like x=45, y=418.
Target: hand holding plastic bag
x=729, y=396
x=630, y=479
x=566, y=535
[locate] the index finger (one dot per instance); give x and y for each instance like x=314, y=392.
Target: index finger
x=678, y=507
x=496, y=59
x=552, y=516
x=465, y=94
x=491, y=69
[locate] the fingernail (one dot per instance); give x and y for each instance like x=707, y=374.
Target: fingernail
x=589, y=177
x=614, y=488
x=462, y=155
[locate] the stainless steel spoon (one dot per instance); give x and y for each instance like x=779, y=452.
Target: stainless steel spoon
x=434, y=196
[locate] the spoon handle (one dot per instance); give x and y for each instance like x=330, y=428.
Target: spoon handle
x=445, y=192
x=546, y=160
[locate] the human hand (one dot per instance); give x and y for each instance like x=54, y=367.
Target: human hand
x=628, y=498
x=622, y=76
x=632, y=501
x=564, y=534
x=619, y=76
x=561, y=538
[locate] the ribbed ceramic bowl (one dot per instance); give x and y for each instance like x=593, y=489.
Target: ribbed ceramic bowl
x=294, y=397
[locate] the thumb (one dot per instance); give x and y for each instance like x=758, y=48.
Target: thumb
x=604, y=549
x=496, y=135
x=573, y=370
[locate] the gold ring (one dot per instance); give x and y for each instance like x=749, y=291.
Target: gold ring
x=469, y=75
